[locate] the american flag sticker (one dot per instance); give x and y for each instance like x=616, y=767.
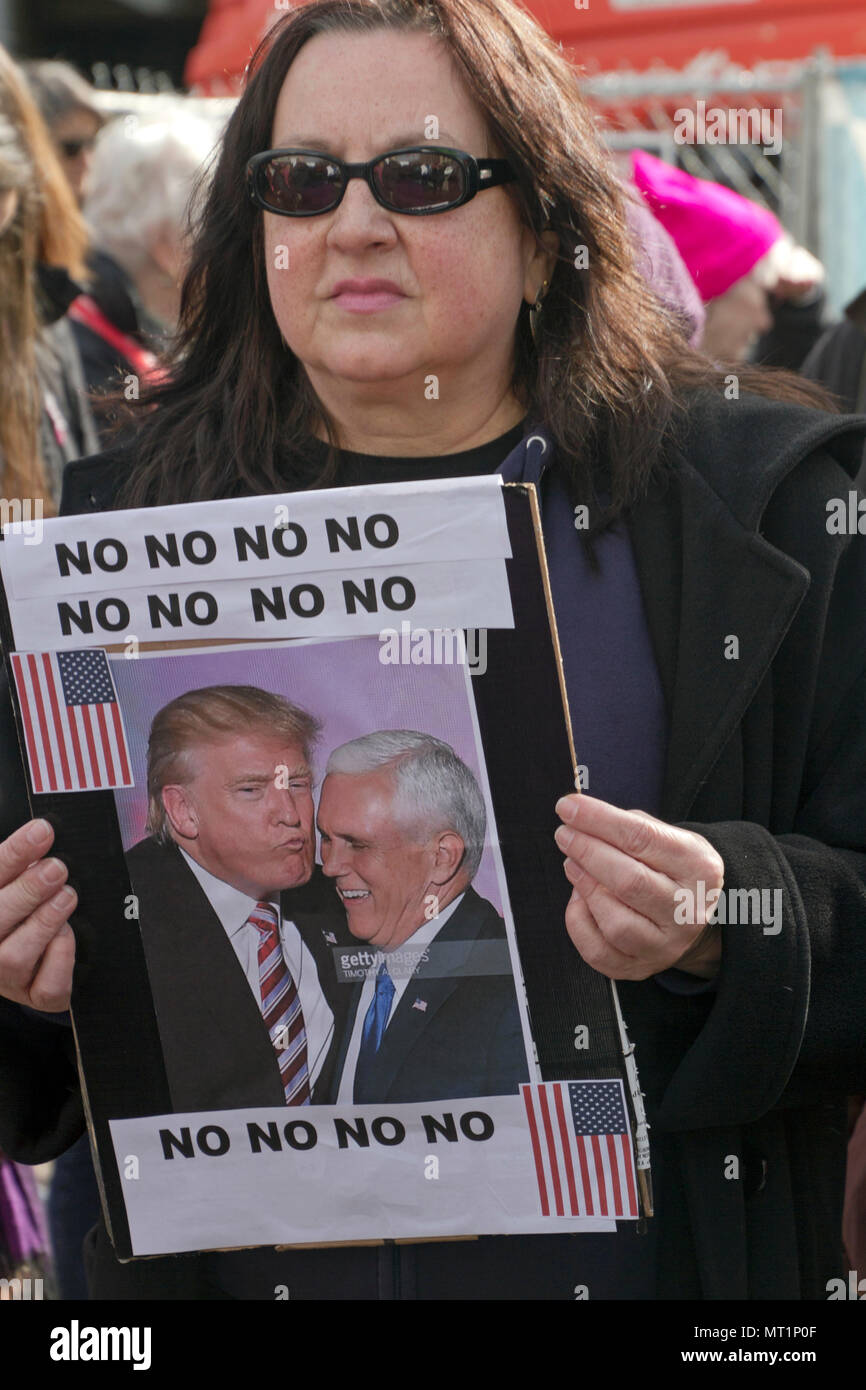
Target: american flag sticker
x=581, y=1144
x=73, y=728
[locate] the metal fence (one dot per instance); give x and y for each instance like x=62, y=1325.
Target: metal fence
x=791, y=136
x=123, y=91
x=799, y=144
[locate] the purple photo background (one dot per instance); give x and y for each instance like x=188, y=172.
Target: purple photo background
x=342, y=683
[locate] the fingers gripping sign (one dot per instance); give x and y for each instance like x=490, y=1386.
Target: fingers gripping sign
x=625, y=869
x=37, y=947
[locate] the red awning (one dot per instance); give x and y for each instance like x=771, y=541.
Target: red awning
x=606, y=34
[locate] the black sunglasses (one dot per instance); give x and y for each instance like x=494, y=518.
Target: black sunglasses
x=418, y=181
x=73, y=148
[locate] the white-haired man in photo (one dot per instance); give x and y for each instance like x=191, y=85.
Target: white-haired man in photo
x=433, y=1015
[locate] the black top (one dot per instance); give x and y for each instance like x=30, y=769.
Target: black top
x=93, y=484
x=355, y=470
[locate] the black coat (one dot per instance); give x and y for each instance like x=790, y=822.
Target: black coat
x=217, y=1051
x=453, y=1032
x=66, y=426
x=766, y=758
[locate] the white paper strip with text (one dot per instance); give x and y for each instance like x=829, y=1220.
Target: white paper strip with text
x=338, y=563
x=274, y=1177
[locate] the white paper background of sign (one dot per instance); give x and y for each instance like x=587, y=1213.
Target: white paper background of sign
x=468, y=593
x=438, y=521
x=484, y=1187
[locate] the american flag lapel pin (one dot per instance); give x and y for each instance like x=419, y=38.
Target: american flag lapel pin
x=420, y=1004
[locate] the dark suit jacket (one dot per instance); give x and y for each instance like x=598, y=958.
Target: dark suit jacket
x=216, y=1048
x=466, y=1040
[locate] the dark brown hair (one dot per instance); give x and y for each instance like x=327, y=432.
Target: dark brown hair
x=611, y=367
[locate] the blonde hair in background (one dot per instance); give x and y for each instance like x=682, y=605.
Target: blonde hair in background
x=22, y=473
x=62, y=231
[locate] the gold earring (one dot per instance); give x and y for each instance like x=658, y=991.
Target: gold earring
x=535, y=311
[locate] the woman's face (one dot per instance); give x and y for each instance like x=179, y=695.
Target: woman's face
x=75, y=136
x=457, y=278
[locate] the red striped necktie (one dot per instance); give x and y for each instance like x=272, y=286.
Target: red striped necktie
x=281, y=1007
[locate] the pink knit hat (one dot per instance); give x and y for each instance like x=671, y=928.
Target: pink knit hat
x=719, y=234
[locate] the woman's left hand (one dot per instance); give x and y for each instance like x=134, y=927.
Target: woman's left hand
x=632, y=876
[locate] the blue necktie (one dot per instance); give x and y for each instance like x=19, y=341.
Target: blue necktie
x=374, y=1027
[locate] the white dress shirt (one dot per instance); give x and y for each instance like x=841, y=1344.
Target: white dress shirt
x=402, y=977
x=233, y=908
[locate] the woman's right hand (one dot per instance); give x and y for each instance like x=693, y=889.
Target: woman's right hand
x=37, y=945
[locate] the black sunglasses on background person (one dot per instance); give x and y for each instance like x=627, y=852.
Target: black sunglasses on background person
x=419, y=181
x=71, y=149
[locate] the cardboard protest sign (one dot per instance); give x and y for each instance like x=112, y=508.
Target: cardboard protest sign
x=323, y=989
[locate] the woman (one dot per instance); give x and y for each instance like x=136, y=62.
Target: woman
x=139, y=187
x=706, y=686
x=69, y=108
x=44, y=419
x=23, y=473
x=740, y=257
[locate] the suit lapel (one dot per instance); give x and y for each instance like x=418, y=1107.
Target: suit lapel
x=725, y=582
x=424, y=997
x=320, y=919
x=337, y=1058
x=213, y=1037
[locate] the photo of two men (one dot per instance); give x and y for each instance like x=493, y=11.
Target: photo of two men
x=377, y=974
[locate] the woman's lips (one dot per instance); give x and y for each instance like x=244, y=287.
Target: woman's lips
x=367, y=301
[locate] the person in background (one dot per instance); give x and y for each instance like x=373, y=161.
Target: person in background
x=45, y=420
x=23, y=470
x=133, y=177
x=757, y=285
x=69, y=109
x=838, y=359
x=111, y=330
x=25, y=1263
x=142, y=179
x=662, y=266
